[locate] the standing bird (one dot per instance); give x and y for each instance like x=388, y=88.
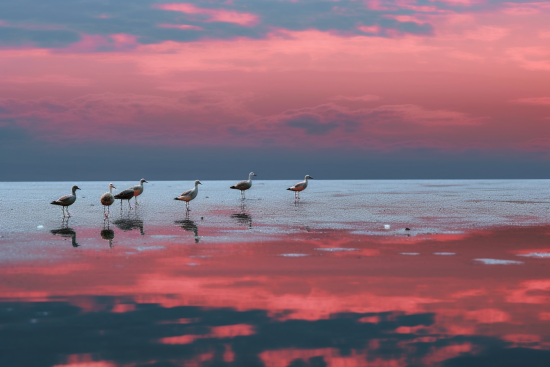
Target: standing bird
x=125, y=195
x=107, y=199
x=244, y=185
x=66, y=201
x=300, y=186
x=189, y=195
x=138, y=189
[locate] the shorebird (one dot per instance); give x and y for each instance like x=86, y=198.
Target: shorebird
x=66, y=200
x=300, y=186
x=244, y=185
x=107, y=199
x=189, y=195
x=138, y=189
x=125, y=195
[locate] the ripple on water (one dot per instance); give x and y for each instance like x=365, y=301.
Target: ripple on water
x=498, y=262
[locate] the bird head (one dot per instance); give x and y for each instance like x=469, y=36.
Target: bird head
x=197, y=182
x=308, y=176
x=253, y=174
x=112, y=186
x=142, y=181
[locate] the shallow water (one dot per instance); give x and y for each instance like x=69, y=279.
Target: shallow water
x=274, y=282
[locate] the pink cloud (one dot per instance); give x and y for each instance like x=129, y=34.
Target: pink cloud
x=54, y=79
x=487, y=33
x=364, y=98
x=181, y=26
x=521, y=9
x=375, y=29
x=93, y=43
x=209, y=118
x=214, y=15
x=536, y=101
x=405, y=18
x=530, y=58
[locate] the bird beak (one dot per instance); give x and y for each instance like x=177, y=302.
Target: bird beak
x=311, y=177
x=78, y=188
x=114, y=187
x=146, y=181
x=200, y=183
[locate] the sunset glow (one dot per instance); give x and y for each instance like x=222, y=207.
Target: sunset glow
x=441, y=76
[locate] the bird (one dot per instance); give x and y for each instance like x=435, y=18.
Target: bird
x=66, y=200
x=138, y=189
x=107, y=199
x=300, y=186
x=189, y=195
x=125, y=195
x=244, y=185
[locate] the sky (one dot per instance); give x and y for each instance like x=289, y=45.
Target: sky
x=398, y=89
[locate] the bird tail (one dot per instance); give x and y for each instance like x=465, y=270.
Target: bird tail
x=176, y=199
x=55, y=203
x=289, y=189
x=232, y=187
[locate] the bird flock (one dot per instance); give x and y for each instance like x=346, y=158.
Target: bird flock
x=108, y=198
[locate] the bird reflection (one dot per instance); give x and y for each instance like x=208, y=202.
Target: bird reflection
x=106, y=233
x=128, y=223
x=243, y=217
x=66, y=231
x=190, y=226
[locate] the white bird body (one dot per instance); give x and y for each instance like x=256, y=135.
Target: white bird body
x=244, y=185
x=300, y=186
x=66, y=200
x=189, y=195
x=138, y=189
x=108, y=198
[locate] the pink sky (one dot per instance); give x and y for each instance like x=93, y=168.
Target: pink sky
x=477, y=75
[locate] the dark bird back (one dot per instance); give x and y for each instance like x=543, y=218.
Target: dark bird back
x=125, y=195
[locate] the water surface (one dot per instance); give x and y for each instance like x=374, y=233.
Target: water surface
x=358, y=273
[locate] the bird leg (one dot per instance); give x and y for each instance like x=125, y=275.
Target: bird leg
x=187, y=206
x=129, y=206
x=68, y=213
x=135, y=198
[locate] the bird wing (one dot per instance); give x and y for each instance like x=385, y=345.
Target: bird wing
x=243, y=185
x=186, y=193
x=125, y=194
x=299, y=185
x=65, y=199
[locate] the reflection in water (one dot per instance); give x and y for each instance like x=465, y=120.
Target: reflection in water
x=228, y=337
x=128, y=224
x=66, y=231
x=189, y=226
x=243, y=217
x=106, y=233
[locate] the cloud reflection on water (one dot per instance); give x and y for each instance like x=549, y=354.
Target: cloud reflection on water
x=246, y=306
